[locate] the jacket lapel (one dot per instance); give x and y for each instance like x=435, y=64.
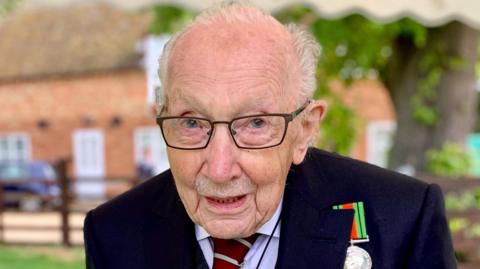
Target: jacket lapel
x=312, y=233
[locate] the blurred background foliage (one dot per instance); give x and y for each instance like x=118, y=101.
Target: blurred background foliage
x=353, y=48
x=463, y=201
x=7, y=6
x=168, y=19
x=451, y=160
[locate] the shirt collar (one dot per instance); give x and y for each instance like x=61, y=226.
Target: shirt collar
x=265, y=229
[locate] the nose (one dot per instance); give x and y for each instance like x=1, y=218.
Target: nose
x=221, y=156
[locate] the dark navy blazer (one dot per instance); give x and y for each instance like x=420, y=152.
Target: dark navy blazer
x=148, y=227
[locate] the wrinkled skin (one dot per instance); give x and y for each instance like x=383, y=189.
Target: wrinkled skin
x=224, y=71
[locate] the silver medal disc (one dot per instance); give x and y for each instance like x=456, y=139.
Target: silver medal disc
x=357, y=258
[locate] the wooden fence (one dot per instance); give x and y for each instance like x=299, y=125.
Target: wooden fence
x=57, y=219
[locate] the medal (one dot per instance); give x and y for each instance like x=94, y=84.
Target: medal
x=357, y=257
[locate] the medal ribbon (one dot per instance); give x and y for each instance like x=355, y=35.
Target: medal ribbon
x=359, y=228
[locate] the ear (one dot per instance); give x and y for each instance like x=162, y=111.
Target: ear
x=308, y=129
x=155, y=109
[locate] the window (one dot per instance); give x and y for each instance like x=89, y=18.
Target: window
x=14, y=146
x=89, y=163
x=379, y=141
x=89, y=153
x=150, y=152
x=153, y=46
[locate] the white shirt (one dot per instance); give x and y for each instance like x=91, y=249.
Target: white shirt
x=253, y=256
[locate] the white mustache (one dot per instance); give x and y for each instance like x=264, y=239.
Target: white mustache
x=206, y=187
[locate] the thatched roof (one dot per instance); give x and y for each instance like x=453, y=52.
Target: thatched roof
x=69, y=40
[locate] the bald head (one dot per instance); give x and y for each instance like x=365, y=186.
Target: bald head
x=220, y=36
x=237, y=67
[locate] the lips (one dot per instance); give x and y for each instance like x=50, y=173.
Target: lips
x=226, y=204
x=228, y=200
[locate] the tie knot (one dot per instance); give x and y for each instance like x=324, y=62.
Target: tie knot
x=230, y=253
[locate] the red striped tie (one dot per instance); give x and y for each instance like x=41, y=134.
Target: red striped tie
x=229, y=253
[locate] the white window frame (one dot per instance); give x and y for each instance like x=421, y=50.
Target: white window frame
x=11, y=138
x=158, y=148
x=153, y=48
x=93, y=185
x=378, y=149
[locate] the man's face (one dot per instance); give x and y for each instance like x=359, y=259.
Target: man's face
x=220, y=73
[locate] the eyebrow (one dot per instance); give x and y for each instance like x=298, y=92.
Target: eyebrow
x=255, y=103
x=191, y=101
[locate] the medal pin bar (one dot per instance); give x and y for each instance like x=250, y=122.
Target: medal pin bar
x=357, y=257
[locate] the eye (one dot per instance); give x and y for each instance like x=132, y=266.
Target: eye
x=257, y=123
x=190, y=123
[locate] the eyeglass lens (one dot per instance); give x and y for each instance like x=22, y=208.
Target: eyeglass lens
x=253, y=131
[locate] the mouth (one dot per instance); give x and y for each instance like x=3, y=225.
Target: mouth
x=227, y=202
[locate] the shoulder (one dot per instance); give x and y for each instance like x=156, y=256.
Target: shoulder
x=387, y=195
x=361, y=177
x=134, y=206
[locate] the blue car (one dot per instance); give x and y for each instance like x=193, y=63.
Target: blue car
x=29, y=185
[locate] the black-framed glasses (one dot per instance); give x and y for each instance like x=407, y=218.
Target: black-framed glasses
x=258, y=131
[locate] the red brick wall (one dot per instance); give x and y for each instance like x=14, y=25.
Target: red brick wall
x=65, y=102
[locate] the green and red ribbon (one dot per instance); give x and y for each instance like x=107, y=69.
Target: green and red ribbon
x=359, y=228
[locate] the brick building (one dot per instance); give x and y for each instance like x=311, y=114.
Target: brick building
x=72, y=85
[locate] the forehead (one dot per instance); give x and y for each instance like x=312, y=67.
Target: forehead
x=231, y=62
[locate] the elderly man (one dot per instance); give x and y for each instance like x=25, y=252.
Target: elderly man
x=244, y=188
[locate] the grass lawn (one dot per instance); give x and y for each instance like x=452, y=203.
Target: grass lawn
x=19, y=257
